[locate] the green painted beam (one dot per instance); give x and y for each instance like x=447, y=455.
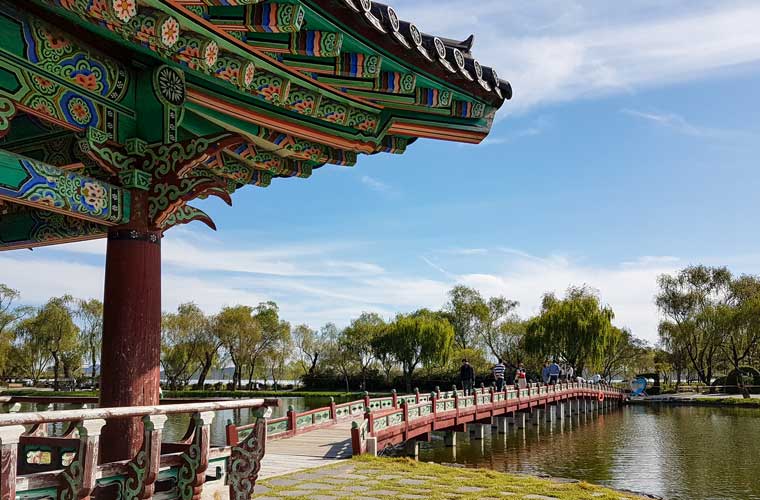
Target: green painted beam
x=28, y=227
x=29, y=182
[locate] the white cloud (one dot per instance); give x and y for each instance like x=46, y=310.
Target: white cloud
x=554, y=51
x=680, y=125
x=378, y=185
x=213, y=277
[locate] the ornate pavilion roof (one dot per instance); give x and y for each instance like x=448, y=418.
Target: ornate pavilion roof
x=97, y=92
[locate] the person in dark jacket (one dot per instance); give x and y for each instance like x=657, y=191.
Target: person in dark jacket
x=467, y=376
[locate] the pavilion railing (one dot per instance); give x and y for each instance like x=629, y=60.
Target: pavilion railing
x=39, y=464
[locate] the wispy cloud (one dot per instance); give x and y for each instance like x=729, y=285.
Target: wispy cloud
x=378, y=185
x=555, y=51
x=680, y=125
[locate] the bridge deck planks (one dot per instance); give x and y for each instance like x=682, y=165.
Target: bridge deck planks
x=305, y=451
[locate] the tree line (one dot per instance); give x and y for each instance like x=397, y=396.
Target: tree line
x=709, y=326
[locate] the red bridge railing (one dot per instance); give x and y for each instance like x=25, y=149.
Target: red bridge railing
x=453, y=409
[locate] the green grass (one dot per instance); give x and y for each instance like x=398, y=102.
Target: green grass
x=400, y=477
x=741, y=402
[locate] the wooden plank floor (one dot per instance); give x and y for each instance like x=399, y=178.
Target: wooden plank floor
x=308, y=450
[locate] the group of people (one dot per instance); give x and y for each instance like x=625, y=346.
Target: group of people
x=551, y=374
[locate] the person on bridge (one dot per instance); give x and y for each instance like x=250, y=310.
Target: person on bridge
x=554, y=371
x=569, y=372
x=545, y=373
x=521, y=379
x=498, y=375
x=467, y=376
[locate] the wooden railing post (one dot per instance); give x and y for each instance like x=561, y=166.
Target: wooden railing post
x=456, y=397
x=417, y=395
x=143, y=468
x=333, y=413
x=370, y=420
x=405, y=408
x=9, y=439
x=192, y=472
x=78, y=479
x=438, y=392
x=366, y=400
x=394, y=398
x=434, y=402
x=245, y=459
x=292, y=420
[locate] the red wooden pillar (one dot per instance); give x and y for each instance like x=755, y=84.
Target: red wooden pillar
x=131, y=349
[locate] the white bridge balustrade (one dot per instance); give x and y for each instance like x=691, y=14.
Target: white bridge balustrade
x=36, y=462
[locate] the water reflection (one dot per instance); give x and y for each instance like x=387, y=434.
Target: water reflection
x=680, y=453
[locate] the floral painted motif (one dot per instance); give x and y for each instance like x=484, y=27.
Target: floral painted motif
x=169, y=32
x=79, y=110
x=125, y=9
x=87, y=80
x=248, y=75
x=211, y=53
x=94, y=195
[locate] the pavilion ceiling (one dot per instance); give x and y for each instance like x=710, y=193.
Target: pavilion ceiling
x=95, y=88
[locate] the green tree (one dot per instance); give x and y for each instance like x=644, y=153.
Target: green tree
x=10, y=315
x=270, y=332
x=683, y=299
x=575, y=329
x=90, y=314
x=467, y=312
x=422, y=337
x=178, y=347
x=338, y=353
x=358, y=337
x=740, y=322
x=620, y=353
x=31, y=357
x=236, y=329
x=498, y=326
x=54, y=324
x=311, y=345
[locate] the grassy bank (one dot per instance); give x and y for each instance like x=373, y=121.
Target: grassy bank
x=371, y=477
x=42, y=394
x=701, y=401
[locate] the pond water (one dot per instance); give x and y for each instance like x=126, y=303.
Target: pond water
x=679, y=453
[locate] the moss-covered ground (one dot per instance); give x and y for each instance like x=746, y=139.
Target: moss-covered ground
x=367, y=478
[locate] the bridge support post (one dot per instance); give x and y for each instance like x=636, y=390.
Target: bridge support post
x=560, y=411
x=478, y=431
x=412, y=448
x=520, y=420
x=450, y=439
x=550, y=414
x=502, y=425
x=536, y=416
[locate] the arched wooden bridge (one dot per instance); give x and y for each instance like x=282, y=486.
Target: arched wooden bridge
x=304, y=439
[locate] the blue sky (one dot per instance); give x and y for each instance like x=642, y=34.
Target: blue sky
x=630, y=149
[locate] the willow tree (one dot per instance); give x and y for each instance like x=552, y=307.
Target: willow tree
x=237, y=330
x=419, y=338
x=467, y=312
x=10, y=315
x=57, y=332
x=90, y=314
x=574, y=329
x=358, y=338
x=689, y=302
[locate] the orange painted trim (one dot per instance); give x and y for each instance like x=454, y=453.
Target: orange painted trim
x=251, y=116
x=178, y=5
x=53, y=242
x=435, y=132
